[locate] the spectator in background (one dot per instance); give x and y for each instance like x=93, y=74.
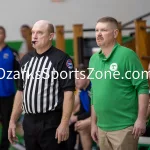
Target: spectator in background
x=8, y=64
x=26, y=45
x=81, y=121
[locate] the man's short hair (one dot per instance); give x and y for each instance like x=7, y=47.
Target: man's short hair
x=109, y=20
x=25, y=26
x=51, y=28
x=3, y=29
x=83, y=68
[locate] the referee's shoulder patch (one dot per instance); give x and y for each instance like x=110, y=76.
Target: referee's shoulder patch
x=69, y=64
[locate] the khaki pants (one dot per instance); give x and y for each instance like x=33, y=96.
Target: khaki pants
x=117, y=140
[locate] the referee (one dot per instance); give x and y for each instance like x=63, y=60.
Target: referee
x=45, y=93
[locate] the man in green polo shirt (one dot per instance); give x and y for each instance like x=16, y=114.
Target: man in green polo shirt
x=119, y=91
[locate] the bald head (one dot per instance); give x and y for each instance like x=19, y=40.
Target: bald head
x=42, y=34
x=45, y=24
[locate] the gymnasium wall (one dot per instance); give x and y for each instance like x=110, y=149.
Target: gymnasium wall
x=14, y=13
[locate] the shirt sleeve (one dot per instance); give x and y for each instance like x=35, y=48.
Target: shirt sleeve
x=16, y=61
x=138, y=78
x=67, y=74
x=20, y=81
x=16, y=66
x=84, y=115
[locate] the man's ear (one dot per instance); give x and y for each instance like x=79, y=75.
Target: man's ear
x=116, y=31
x=51, y=36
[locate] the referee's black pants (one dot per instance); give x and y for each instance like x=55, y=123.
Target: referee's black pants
x=6, y=104
x=39, y=131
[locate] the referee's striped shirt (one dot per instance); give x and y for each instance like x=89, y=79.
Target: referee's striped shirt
x=44, y=78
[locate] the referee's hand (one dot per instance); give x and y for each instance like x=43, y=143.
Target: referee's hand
x=62, y=132
x=12, y=133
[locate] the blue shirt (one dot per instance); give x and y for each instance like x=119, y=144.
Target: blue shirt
x=85, y=98
x=7, y=59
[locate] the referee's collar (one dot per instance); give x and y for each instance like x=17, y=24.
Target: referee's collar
x=44, y=53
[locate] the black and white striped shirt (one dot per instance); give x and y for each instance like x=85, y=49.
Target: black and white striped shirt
x=44, y=80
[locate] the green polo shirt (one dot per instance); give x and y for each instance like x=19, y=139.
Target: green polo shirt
x=116, y=83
